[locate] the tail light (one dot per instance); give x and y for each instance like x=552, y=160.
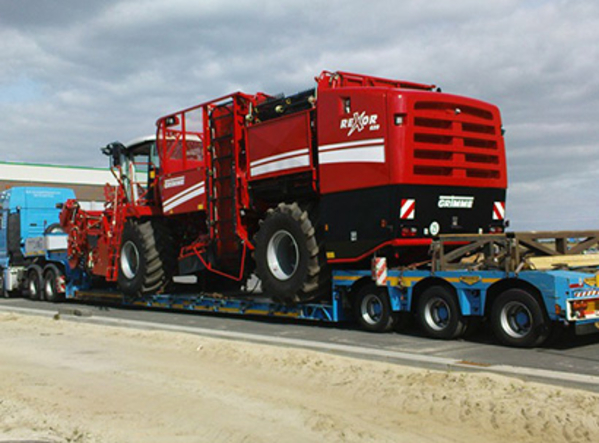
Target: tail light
x=409, y=232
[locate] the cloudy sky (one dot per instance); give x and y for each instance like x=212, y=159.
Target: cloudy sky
x=75, y=75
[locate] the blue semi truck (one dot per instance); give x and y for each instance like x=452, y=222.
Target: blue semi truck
x=32, y=244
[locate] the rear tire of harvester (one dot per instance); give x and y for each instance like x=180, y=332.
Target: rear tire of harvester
x=289, y=262
x=146, y=259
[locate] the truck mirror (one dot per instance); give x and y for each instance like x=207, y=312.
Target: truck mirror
x=115, y=150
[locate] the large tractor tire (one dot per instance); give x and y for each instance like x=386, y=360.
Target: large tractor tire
x=288, y=260
x=146, y=260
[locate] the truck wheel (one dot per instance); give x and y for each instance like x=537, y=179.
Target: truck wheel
x=288, y=260
x=145, y=260
x=54, y=228
x=5, y=292
x=33, y=283
x=439, y=313
x=519, y=320
x=52, y=290
x=372, y=309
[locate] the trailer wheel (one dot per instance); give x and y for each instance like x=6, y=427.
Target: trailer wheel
x=288, y=259
x=372, y=309
x=519, y=320
x=146, y=261
x=52, y=290
x=33, y=283
x=439, y=313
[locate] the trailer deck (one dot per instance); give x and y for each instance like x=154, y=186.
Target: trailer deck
x=331, y=312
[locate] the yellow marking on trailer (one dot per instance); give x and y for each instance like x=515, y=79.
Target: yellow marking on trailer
x=330, y=255
x=470, y=279
x=346, y=278
x=200, y=207
x=592, y=281
x=255, y=312
x=405, y=282
x=223, y=309
x=394, y=281
x=459, y=279
x=288, y=314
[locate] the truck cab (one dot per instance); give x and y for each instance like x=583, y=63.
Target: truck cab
x=26, y=214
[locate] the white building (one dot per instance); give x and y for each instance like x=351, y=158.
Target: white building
x=88, y=183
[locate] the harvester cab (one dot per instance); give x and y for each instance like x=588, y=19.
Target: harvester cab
x=134, y=166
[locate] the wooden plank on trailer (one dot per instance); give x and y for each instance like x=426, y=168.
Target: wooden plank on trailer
x=568, y=261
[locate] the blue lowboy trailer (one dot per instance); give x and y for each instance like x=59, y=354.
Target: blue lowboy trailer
x=500, y=278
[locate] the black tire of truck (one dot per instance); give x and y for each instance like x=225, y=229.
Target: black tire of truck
x=288, y=259
x=146, y=259
x=439, y=313
x=52, y=275
x=54, y=228
x=519, y=320
x=33, y=283
x=372, y=309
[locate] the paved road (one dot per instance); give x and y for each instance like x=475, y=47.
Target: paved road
x=571, y=360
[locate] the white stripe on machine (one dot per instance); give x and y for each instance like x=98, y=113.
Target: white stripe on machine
x=361, y=151
x=281, y=162
x=184, y=196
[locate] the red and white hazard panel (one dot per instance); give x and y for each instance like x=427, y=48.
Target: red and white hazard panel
x=408, y=209
x=379, y=271
x=498, y=210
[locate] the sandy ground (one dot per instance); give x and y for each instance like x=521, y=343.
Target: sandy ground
x=62, y=381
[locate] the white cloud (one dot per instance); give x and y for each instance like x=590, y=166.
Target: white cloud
x=105, y=70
